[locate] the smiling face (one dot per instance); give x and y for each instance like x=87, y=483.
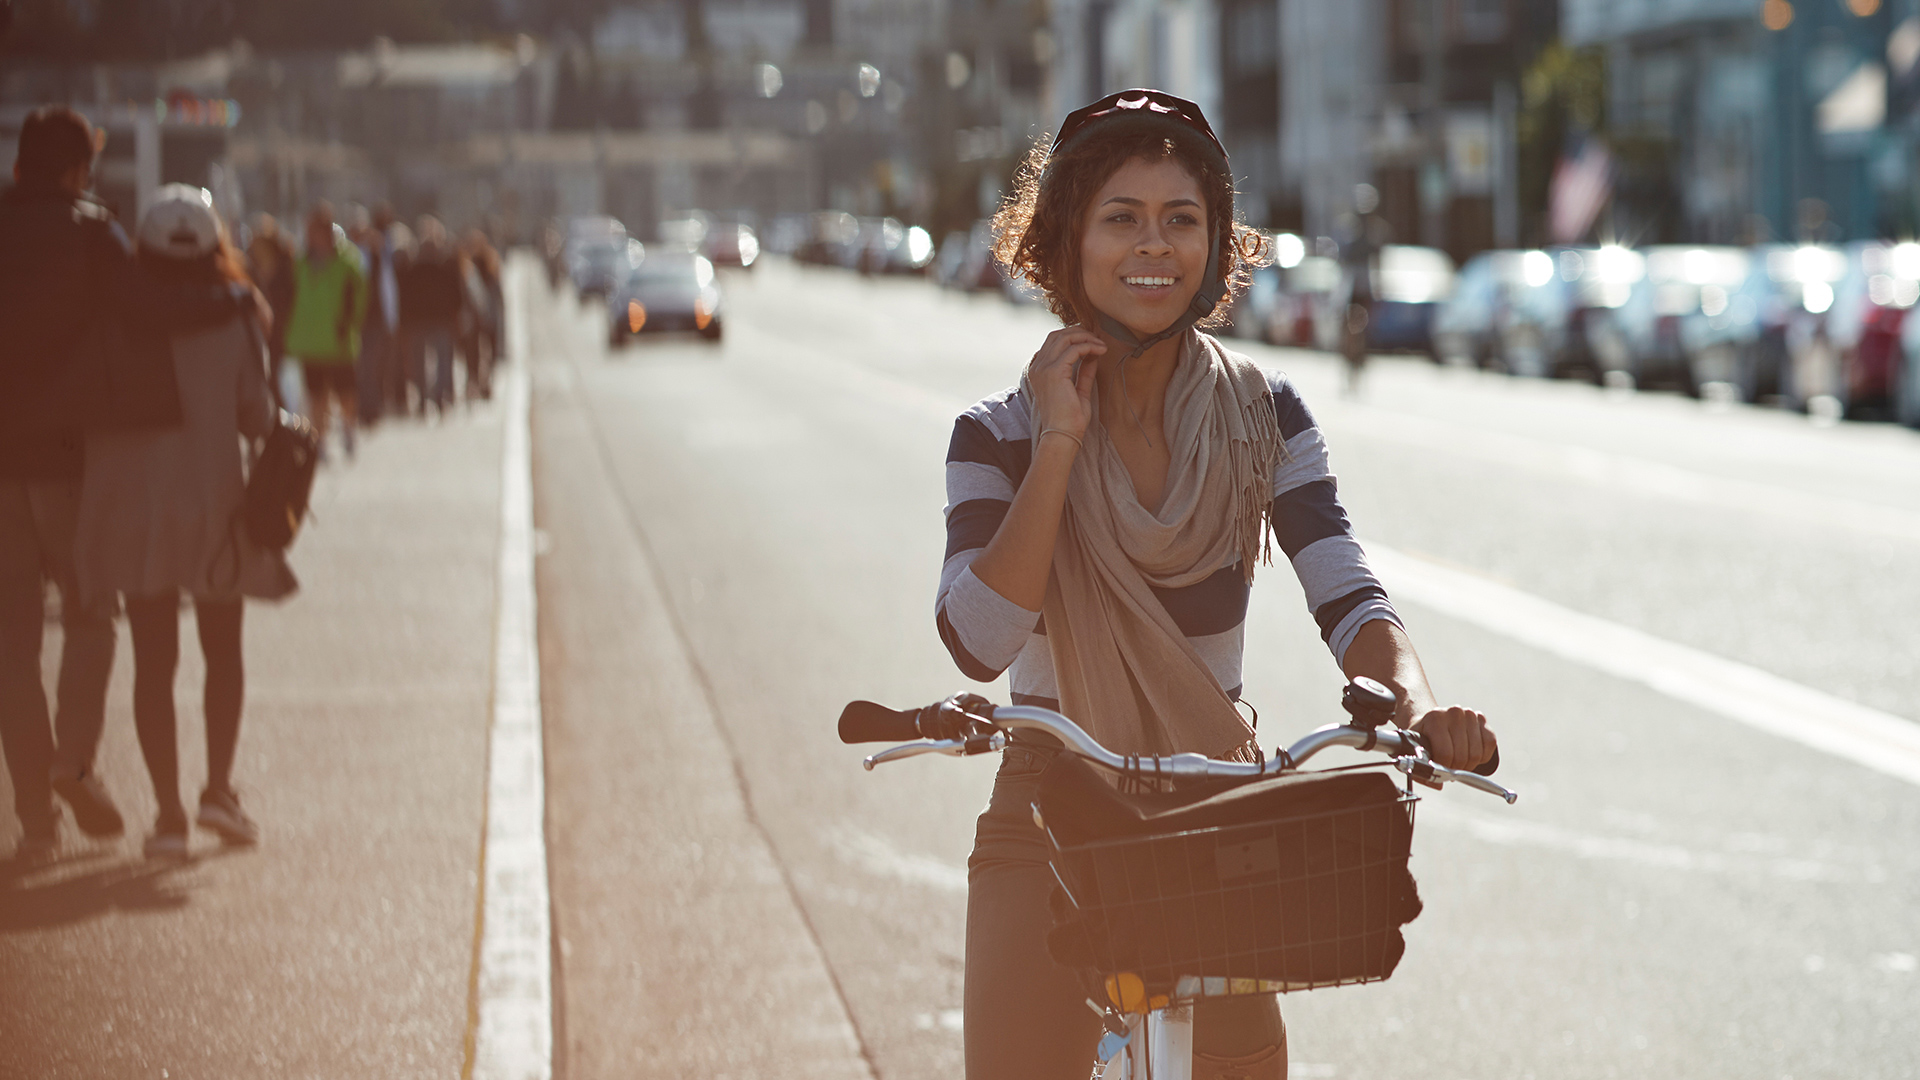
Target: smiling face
x=1143, y=247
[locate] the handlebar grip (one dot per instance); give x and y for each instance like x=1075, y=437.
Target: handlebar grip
x=863, y=721
x=1487, y=767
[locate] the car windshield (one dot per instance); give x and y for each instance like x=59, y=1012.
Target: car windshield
x=687, y=271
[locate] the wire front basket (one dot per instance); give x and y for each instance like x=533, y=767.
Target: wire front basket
x=1293, y=903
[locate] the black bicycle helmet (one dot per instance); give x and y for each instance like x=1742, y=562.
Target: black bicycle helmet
x=1143, y=109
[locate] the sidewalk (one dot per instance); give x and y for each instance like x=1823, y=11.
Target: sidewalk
x=343, y=945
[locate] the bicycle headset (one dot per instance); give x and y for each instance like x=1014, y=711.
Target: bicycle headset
x=1140, y=109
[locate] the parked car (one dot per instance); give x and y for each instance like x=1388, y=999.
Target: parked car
x=1855, y=356
x=1466, y=326
x=832, y=239
x=668, y=291
x=599, y=267
x=974, y=268
x=1409, y=283
x=1303, y=310
x=1681, y=281
x=1784, y=299
x=1560, y=318
x=1250, y=311
x=1906, y=385
x=732, y=244
x=886, y=246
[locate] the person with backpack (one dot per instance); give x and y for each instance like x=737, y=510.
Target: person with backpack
x=61, y=257
x=329, y=305
x=161, y=510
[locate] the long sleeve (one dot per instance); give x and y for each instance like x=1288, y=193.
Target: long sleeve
x=983, y=630
x=1313, y=531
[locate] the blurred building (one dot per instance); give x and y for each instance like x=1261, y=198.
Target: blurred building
x=1417, y=97
x=1736, y=121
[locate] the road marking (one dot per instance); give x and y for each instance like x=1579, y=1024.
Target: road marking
x=1627, y=474
x=512, y=1010
x=1508, y=831
x=1766, y=702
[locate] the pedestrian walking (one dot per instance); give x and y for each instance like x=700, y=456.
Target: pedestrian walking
x=62, y=260
x=432, y=297
x=486, y=303
x=160, y=509
x=382, y=386
x=1363, y=234
x=329, y=305
x=270, y=261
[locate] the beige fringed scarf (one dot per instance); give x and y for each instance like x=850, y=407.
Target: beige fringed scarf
x=1126, y=672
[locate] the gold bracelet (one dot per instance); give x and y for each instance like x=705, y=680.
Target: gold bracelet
x=1062, y=431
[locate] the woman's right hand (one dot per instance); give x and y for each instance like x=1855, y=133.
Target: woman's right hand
x=1063, y=398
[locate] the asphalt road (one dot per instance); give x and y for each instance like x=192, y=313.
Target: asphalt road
x=1675, y=894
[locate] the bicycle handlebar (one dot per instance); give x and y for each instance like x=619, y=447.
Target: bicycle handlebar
x=863, y=721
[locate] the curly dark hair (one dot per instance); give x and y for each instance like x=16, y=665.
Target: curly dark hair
x=1038, y=230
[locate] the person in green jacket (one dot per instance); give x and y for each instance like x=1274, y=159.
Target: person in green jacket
x=329, y=304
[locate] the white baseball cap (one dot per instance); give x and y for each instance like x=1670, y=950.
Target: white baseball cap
x=180, y=223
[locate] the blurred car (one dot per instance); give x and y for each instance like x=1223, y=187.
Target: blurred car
x=1856, y=358
x=1250, y=312
x=974, y=268
x=1466, y=326
x=1559, y=318
x=787, y=234
x=832, y=239
x=888, y=247
x=1784, y=299
x=1906, y=384
x=950, y=258
x=1681, y=282
x=1303, y=306
x=599, y=267
x=668, y=291
x=732, y=244
x=1409, y=283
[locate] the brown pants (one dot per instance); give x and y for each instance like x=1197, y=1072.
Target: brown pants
x=1026, y=1017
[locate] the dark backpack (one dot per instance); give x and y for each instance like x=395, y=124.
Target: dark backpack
x=280, y=483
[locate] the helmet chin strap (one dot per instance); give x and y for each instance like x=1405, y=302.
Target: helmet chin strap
x=1212, y=290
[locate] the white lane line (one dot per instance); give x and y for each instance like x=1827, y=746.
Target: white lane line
x=1624, y=473
x=513, y=982
x=1763, y=701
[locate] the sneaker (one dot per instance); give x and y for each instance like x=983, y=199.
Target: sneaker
x=93, y=809
x=220, y=811
x=169, y=841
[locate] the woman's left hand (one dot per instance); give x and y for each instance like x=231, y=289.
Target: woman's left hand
x=1458, y=738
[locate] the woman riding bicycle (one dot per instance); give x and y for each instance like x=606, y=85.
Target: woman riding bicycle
x=1103, y=523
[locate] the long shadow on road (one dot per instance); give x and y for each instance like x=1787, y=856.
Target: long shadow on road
x=45, y=895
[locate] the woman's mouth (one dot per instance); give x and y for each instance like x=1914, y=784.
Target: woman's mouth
x=1149, y=281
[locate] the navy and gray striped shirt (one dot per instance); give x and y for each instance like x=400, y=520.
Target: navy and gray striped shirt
x=987, y=633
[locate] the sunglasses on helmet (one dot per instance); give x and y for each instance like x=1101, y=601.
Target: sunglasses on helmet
x=1138, y=102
